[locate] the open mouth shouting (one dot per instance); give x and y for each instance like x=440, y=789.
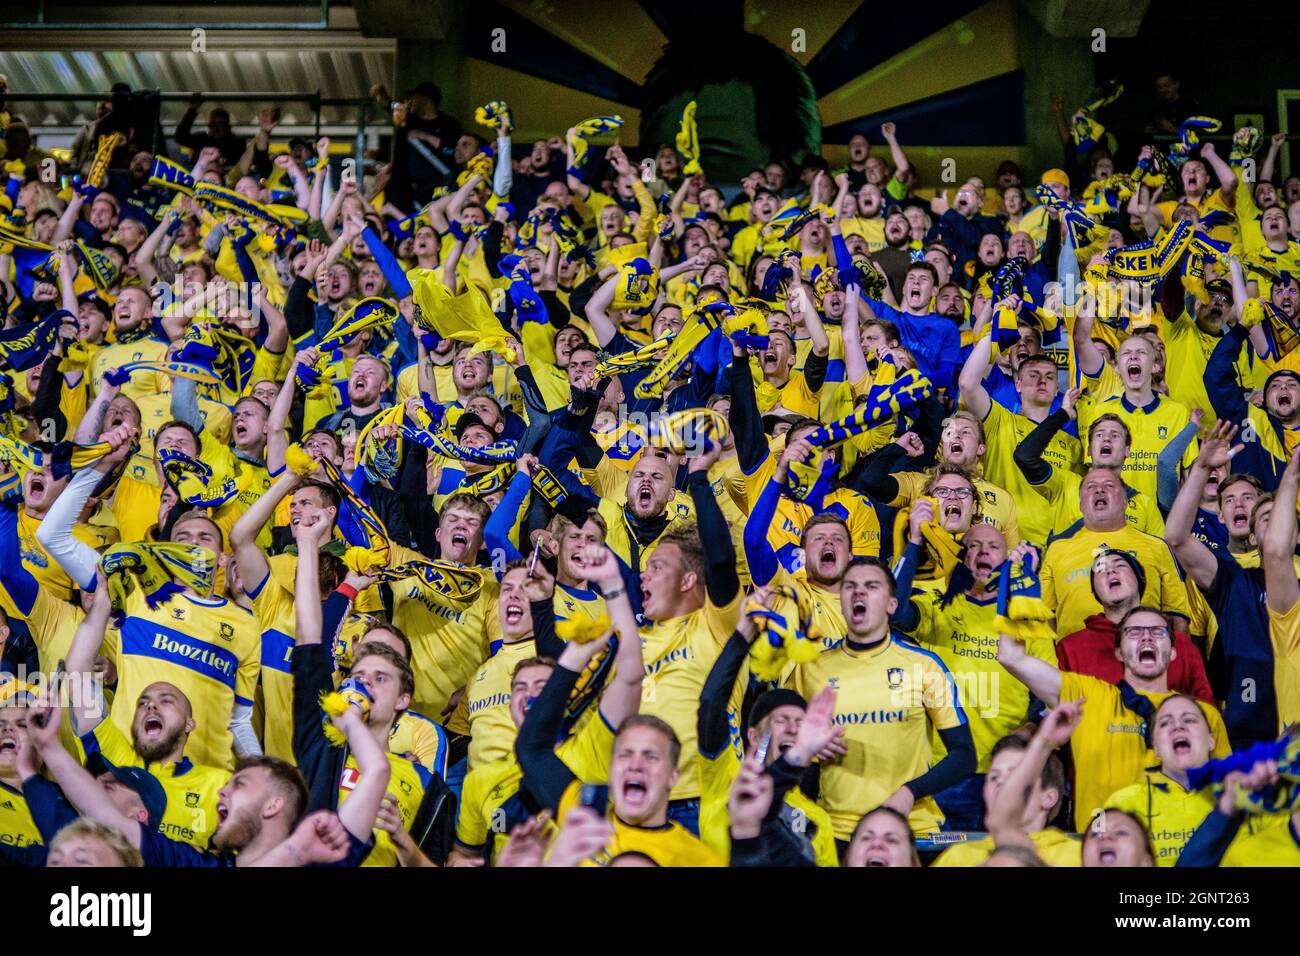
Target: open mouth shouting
x=635, y=790
x=1181, y=743
x=153, y=727
x=513, y=611
x=1147, y=654
x=1107, y=857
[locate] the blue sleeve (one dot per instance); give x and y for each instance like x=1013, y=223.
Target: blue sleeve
x=159, y=850
x=49, y=808
x=408, y=353
x=759, y=555
x=906, y=617
x=1210, y=841
x=243, y=260
x=1221, y=377
x=387, y=262
x=496, y=531
x=14, y=577
x=843, y=258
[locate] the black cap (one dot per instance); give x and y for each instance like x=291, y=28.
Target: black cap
x=467, y=421
x=1130, y=559
x=771, y=700
x=1220, y=287
x=145, y=785
x=1280, y=373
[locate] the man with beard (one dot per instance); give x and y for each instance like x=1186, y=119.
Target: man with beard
x=933, y=339
x=159, y=731
x=1111, y=746
x=367, y=384
x=1068, y=560
x=959, y=626
x=1195, y=178
x=891, y=697
x=1190, y=340
x=133, y=341
x=259, y=811
x=895, y=257
x=1118, y=580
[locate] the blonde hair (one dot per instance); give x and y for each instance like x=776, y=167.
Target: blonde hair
x=84, y=828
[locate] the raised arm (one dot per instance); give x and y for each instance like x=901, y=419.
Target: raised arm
x=1277, y=549
x=721, y=581
x=249, y=558
x=359, y=811
x=1042, y=679
x=622, y=696
x=598, y=312
x=80, y=661
x=81, y=789
x=971, y=380
x=1005, y=817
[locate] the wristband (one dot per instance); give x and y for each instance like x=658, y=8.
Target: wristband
x=617, y=592
x=347, y=590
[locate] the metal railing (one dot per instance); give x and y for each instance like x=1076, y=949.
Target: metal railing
x=315, y=100
x=42, y=22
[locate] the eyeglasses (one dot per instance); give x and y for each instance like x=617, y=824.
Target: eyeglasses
x=961, y=494
x=1157, y=631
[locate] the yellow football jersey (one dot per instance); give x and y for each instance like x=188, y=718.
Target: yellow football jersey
x=16, y=825
x=1003, y=431
x=118, y=354
x=668, y=845
x=191, y=789
x=1276, y=846
x=492, y=731
x=1061, y=490
x=1055, y=848
x=678, y=655
x=406, y=785
x=207, y=647
x=889, y=699
x=996, y=505
x=1151, y=427
x=1285, y=632
x=1067, y=574
x=1109, y=749
x=965, y=636
x=447, y=643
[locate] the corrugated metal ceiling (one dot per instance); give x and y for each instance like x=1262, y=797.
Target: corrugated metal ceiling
x=346, y=71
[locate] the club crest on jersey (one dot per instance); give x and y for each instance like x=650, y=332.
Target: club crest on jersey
x=895, y=677
x=227, y=631
x=405, y=785
x=191, y=799
x=1162, y=432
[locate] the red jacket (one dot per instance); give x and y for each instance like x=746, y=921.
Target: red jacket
x=1091, y=651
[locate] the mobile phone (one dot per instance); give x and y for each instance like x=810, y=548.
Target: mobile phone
x=594, y=796
x=532, y=560
x=761, y=753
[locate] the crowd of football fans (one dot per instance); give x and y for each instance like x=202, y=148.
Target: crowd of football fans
x=517, y=505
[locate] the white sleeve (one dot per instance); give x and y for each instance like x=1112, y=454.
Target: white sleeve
x=241, y=726
x=503, y=176
x=77, y=558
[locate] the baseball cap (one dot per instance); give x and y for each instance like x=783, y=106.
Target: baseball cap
x=144, y=784
x=771, y=700
x=1280, y=373
x=1058, y=176
x=467, y=421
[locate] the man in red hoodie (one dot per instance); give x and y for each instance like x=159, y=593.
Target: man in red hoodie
x=1118, y=581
